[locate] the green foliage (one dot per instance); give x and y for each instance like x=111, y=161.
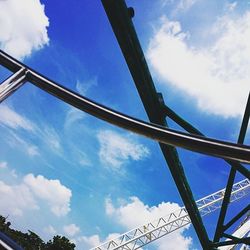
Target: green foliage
x=31, y=241
x=59, y=243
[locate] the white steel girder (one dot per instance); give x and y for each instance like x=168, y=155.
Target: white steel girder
x=152, y=231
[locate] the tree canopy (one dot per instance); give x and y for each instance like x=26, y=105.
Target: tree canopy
x=31, y=241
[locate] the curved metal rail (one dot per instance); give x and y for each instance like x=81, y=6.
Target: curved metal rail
x=161, y=134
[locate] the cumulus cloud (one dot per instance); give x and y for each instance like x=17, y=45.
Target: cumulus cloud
x=71, y=229
x=174, y=241
x=31, y=192
x=23, y=27
x=15, y=199
x=216, y=77
x=87, y=242
x=134, y=213
x=51, y=191
x=117, y=150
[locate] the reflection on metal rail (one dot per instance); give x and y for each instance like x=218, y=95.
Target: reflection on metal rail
x=195, y=143
x=152, y=231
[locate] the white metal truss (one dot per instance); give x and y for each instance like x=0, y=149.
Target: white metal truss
x=241, y=231
x=152, y=231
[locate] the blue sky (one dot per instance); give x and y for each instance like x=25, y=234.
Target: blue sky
x=65, y=172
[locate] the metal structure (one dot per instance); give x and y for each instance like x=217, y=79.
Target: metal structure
x=240, y=232
x=230, y=151
x=7, y=243
x=120, y=17
x=233, y=153
x=154, y=230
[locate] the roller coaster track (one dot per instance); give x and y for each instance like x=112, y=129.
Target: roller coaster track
x=234, y=154
x=200, y=144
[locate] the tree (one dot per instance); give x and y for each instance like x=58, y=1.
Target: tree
x=59, y=243
x=4, y=226
x=31, y=241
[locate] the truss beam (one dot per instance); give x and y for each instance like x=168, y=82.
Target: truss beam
x=154, y=230
x=220, y=229
x=192, y=130
x=236, y=218
x=120, y=20
x=156, y=132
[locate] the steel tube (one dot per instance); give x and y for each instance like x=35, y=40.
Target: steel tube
x=164, y=135
x=192, y=130
x=243, y=130
x=11, y=84
x=156, y=132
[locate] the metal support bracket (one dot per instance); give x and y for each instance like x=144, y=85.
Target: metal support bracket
x=11, y=84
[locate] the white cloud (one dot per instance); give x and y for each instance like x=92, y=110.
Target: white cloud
x=3, y=165
x=13, y=173
x=51, y=191
x=23, y=27
x=87, y=242
x=15, y=199
x=51, y=138
x=50, y=230
x=31, y=193
x=16, y=141
x=180, y=6
x=112, y=236
x=84, y=161
x=218, y=76
x=231, y=6
x=117, y=150
x=32, y=150
x=185, y=5
x=14, y=121
x=11, y=119
x=71, y=229
x=135, y=213
x=109, y=208
x=72, y=116
x=82, y=158
x=83, y=87
x=166, y=2
x=174, y=241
